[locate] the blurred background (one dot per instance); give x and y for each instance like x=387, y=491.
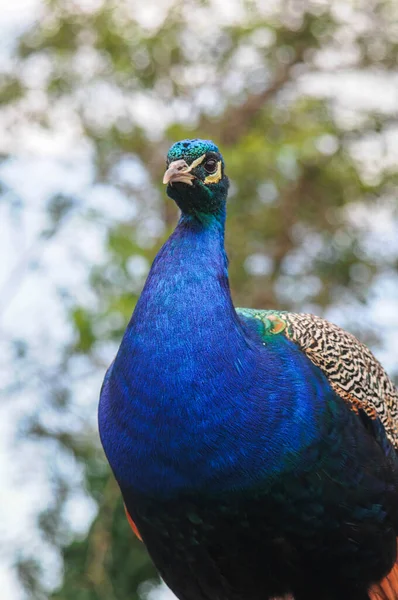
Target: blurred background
x=302, y=98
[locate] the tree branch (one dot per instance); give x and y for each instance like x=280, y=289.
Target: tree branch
x=237, y=120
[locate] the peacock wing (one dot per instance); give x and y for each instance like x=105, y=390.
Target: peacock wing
x=352, y=370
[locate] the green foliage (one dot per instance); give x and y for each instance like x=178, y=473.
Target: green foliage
x=10, y=90
x=84, y=329
x=292, y=243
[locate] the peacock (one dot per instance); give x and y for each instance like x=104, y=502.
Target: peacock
x=255, y=450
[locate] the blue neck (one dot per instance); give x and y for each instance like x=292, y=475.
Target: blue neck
x=185, y=306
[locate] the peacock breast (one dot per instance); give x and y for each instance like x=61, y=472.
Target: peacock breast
x=217, y=425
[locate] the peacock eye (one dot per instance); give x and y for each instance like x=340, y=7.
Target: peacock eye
x=210, y=165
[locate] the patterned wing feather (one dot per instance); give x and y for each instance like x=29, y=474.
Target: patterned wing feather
x=352, y=370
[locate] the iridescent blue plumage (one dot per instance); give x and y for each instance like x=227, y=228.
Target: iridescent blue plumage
x=245, y=472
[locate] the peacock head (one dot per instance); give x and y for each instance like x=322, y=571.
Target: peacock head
x=195, y=177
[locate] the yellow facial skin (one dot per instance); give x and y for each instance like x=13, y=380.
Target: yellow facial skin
x=215, y=177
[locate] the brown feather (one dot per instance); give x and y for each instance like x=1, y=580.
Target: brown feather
x=387, y=589
x=132, y=524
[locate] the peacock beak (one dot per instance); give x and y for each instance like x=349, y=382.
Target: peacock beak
x=178, y=170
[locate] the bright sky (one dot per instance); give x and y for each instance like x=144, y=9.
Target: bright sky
x=27, y=304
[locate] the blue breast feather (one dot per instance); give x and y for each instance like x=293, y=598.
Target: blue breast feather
x=196, y=399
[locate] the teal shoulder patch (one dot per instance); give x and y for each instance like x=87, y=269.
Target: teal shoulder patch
x=272, y=320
